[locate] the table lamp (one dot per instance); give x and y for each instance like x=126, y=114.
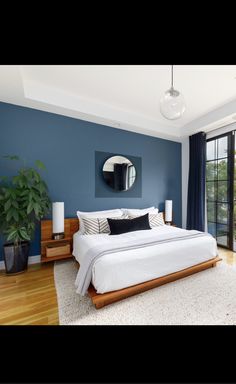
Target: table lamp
x=58, y=220
x=168, y=212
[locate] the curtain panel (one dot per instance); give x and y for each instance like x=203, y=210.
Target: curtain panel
x=196, y=182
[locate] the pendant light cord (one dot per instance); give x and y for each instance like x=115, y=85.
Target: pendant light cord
x=172, y=77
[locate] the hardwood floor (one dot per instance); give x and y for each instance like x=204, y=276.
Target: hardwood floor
x=228, y=257
x=30, y=298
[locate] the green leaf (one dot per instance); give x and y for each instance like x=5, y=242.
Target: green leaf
x=15, y=215
x=7, y=205
x=36, y=209
x=25, y=192
x=24, y=234
x=37, y=198
x=12, y=193
x=7, y=192
x=40, y=165
x=9, y=215
x=22, y=213
x=15, y=204
x=25, y=204
x=30, y=207
x=15, y=179
x=45, y=185
x=36, y=176
x=30, y=196
x=12, y=235
x=41, y=187
x=30, y=227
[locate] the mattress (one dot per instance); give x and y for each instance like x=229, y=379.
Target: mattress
x=126, y=268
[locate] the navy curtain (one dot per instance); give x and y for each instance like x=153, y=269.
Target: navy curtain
x=196, y=182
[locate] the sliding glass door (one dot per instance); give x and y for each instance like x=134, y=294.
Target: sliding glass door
x=220, y=182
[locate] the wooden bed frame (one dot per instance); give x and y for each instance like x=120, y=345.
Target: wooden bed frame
x=100, y=300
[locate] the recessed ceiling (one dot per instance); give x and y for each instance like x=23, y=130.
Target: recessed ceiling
x=122, y=96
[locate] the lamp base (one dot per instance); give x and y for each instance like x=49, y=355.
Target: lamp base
x=58, y=236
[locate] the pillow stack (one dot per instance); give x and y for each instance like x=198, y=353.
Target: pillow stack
x=117, y=221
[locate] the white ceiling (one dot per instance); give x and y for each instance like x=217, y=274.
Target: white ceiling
x=122, y=96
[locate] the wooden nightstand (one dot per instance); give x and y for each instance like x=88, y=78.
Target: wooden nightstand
x=71, y=226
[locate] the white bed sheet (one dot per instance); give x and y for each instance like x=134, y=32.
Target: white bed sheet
x=123, y=269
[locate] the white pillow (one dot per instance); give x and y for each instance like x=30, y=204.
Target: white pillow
x=96, y=214
x=155, y=219
x=95, y=226
x=139, y=212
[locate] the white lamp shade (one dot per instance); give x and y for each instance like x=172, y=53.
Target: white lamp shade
x=168, y=210
x=58, y=217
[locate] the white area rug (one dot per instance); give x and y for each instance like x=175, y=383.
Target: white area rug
x=208, y=297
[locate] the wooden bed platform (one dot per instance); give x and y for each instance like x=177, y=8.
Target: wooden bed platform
x=100, y=300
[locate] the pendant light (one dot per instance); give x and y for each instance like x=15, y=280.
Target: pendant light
x=172, y=104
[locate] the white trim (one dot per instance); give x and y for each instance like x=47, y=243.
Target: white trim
x=32, y=260
x=43, y=97
x=220, y=131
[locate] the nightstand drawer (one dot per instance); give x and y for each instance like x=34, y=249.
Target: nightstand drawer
x=57, y=249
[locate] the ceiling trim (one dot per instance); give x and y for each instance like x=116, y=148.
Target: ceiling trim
x=219, y=117
x=67, y=104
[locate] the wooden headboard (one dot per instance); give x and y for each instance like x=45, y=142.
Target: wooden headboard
x=70, y=227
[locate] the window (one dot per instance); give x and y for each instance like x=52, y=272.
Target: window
x=219, y=187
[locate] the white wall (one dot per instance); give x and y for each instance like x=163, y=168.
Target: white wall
x=185, y=169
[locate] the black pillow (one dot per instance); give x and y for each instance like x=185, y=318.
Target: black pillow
x=118, y=226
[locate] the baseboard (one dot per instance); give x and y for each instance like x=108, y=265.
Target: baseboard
x=32, y=260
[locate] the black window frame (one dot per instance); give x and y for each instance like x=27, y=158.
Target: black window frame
x=230, y=180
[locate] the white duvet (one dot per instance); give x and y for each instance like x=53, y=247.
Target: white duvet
x=123, y=269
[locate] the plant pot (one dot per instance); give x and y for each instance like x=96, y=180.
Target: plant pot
x=16, y=257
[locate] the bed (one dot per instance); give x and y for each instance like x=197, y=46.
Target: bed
x=124, y=271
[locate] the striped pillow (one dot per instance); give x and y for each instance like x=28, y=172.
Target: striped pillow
x=94, y=226
x=155, y=220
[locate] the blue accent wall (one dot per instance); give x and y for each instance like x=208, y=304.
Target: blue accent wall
x=67, y=148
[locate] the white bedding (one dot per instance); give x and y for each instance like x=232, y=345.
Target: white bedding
x=122, y=269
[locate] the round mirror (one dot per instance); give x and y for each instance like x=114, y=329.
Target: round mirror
x=119, y=173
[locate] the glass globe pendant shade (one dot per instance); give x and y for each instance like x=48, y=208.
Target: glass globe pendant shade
x=172, y=104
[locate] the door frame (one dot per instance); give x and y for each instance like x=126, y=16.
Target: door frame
x=230, y=171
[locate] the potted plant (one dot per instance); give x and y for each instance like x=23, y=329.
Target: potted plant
x=24, y=200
